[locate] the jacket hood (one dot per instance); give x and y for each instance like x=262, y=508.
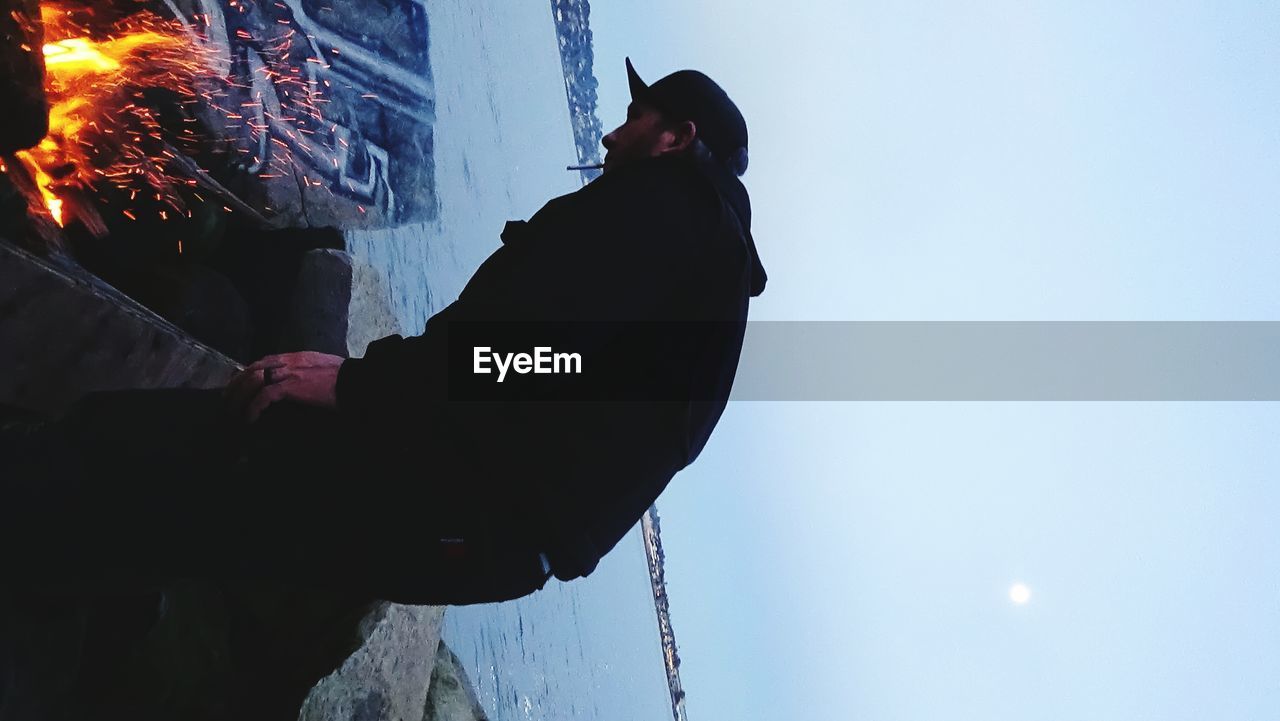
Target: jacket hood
x=732, y=190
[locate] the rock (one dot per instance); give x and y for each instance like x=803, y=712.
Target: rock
x=63, y=335
x=205, y=304
x=284, y=640
x=198, y=299
x=348, y=139
x=200, y=651
x=452, y=696
x=266, y=266
x=372, y=315
x=387, y=679
x=321, y=302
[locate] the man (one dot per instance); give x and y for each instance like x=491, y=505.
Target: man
x=382, y=475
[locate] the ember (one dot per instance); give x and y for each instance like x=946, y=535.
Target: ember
x=100, y=128
x=211, y=145
x=128, y=100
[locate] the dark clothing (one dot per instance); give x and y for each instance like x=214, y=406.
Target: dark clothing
x=164, y=560
x=402, y=493
x=134, y=489
x=659, y=240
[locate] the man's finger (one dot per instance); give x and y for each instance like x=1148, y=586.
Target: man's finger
x=272, y=361
x=264, y=398
x=286, y=373
x=235, y=386
x=244, y=388
x=246, y=384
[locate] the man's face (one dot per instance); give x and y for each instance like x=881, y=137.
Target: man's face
x=645, y=134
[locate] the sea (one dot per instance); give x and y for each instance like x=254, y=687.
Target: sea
x=503, y=133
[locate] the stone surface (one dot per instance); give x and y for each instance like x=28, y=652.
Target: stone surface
x=64, y=335
x=323, y=111
x=389, y=676
x=200, y=650
x=318, y=312
x=452, y=696
x=371, y=312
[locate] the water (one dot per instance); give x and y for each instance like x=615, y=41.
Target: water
x=588, y=649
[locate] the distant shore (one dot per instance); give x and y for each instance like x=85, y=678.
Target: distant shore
x=573, y=34
x=657, y=576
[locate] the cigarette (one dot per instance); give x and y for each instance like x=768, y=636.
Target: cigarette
x=593, y=166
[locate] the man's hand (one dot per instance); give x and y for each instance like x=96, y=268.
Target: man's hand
x=307, y=377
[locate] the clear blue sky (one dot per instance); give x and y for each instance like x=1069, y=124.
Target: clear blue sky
x=993, y=161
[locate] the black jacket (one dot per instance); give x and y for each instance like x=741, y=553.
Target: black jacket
x=663, y=239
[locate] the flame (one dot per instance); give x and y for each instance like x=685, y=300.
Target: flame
x=78, y=50
x=101, y=82
x=99, y=130
x=51, y=201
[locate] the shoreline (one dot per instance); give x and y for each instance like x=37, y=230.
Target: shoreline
x=657, y=577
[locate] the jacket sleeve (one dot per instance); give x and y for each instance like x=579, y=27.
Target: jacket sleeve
x=395, y=374
x=614, y=251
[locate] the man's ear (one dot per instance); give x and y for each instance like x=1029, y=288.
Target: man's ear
x=680, y=136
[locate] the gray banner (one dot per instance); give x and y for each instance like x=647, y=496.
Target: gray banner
x=1010, y=361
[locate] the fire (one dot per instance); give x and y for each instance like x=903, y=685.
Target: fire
x=110, y=81
x=78, y=50
x=43, y=182
x=100, y=128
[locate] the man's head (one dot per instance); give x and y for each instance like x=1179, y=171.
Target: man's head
x=684, y=112
x=646, y=133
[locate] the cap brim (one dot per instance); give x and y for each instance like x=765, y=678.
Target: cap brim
x=639, y=90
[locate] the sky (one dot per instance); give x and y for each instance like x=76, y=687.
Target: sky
x=992, y=161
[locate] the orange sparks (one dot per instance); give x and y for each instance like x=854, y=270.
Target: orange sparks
x=96, y=130
x=104, y=128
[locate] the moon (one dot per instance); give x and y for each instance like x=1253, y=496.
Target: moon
x=1019, y=593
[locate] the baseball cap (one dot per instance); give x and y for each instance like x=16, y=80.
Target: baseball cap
x=691, y=95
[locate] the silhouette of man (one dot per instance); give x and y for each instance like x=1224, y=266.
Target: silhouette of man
x=377, y=474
